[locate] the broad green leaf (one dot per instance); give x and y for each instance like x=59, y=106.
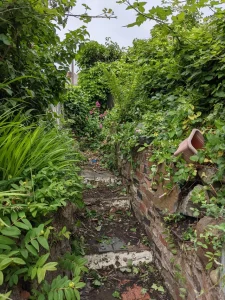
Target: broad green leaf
x=60, y=295
x=27, y=222
x=24, y=253
x=6, y=240
x=43, y=242
x=41, y=274
x=5, y=247
x=14, y=217
x=33, y=272
x=35, y=244
x=21, y=225
x=31, y=249
x=11, y=231
x=69, y=294
x=51, y=266
x=77, y=294
x=5, y=263
x=80, y=285
x=5, y=39
x=42, y=260
x=18, y=261
x=1, y=277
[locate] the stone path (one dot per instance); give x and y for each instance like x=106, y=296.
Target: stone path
x=118, y=253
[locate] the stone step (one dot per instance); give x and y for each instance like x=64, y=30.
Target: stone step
x=117, y=260
x=98, y=177
x=119, y=203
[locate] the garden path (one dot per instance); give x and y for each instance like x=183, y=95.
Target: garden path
x=118, y=252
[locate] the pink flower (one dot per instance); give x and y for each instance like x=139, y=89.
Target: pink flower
x=98, y=104
x=91, y=112
x=101, y=116
x=100, y=126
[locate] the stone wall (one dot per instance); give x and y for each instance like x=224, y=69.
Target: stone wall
x=183, y=268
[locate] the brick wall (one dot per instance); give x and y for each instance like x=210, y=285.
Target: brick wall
x=181, y=266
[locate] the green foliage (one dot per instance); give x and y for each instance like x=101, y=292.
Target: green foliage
x=73, y=263
x=64, y=287
x=61, y=288
x=76, y=109
x=29, y=45
x=38, y=176
x=93, y=52
x=116, y=295
x=29, y=148
x=93, y=82
x=84, y=119
x=19, y=257
x=93, y=59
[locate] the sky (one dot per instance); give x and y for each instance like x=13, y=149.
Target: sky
x=99, y=29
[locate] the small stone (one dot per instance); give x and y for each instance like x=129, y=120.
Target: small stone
x=187, y=206
x=25, y=295
x=207, y=174
x=215, y=276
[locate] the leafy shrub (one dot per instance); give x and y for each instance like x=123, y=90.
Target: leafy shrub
x=30, y=148
x=84, y=119
x=93, y=52
x=39, y=175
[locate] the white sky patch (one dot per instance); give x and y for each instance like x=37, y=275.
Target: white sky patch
x=99, y=29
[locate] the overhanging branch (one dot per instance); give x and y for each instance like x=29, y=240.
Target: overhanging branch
x=92, y=17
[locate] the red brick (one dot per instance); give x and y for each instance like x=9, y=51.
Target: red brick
x=143, y=208
x=135, y=293
x=163, y=241
x=140, y=176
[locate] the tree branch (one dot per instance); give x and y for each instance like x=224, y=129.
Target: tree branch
x=153, y=19
x=93, y=17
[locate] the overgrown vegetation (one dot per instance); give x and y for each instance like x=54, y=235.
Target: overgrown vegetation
x=161, y=88
x=39, y=173
x=164, y=87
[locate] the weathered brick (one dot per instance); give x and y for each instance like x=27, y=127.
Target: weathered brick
x=143, y=208
x=148, y=206
x=163, y=241
x=140, y=176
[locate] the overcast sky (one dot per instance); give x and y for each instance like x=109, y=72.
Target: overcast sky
x=99, y=29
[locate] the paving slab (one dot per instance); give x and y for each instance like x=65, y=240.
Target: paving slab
x=117, y=260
